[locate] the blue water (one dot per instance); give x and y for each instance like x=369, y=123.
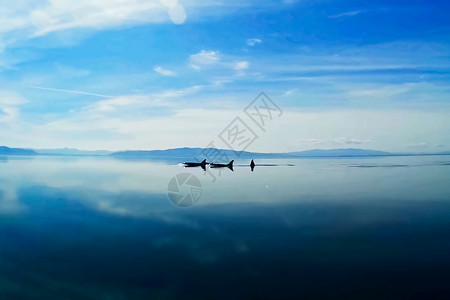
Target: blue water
x=103, y=228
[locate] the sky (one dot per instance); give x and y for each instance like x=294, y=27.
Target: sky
x=157, y=74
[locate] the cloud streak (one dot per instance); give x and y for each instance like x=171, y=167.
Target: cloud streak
x=347, y=14
x=70, y=91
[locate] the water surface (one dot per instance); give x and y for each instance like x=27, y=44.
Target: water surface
x=99, y=227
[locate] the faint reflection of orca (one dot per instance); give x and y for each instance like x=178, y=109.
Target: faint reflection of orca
x=195, y=164
x=252, y=165
x=229, y=165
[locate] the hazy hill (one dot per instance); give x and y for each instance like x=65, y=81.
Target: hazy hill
x=188, y=153
x=192, y=153
x=15, y=151
x=197, y=153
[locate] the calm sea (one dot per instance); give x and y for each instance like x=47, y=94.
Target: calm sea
x=103, y=228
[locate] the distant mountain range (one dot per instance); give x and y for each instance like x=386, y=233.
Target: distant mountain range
x=197, y=153
x=16, y=151
x=188, y=153
x=230, y=154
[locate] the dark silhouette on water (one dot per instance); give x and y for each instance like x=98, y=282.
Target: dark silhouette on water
x=195, y=164
x=252, y=165
x=229, y=165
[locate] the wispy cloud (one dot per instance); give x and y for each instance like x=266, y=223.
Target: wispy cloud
x=110, y=105
x=23, y=20
x=352, y=141
x=164, y=72
x=70, y=91
x=253, y=42
x=139, y=102
x=9, y=106
x=347, y=14
x=241, y=65
x=62, y=15
x=100, y=14
x=203, y=58
x=129, y=121
x=176, y=11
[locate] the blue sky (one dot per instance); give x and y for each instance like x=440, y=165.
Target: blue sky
x=144, y=74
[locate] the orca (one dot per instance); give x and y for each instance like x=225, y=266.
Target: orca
x=252, y=165
x=195, y=164
x=229, y=165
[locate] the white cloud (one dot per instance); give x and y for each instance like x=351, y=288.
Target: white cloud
x=169, y=3
x=99, y=14
x=221, y=82
x=163, y=71
x=203, y=59
x=241, y=66
x=177, y=14
x=11, y=99
x=135, y=103
x=9, y=106
x=213, y=60
x=253, y=42
x=22, y=20
x=119, y=126
x=113, y=104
